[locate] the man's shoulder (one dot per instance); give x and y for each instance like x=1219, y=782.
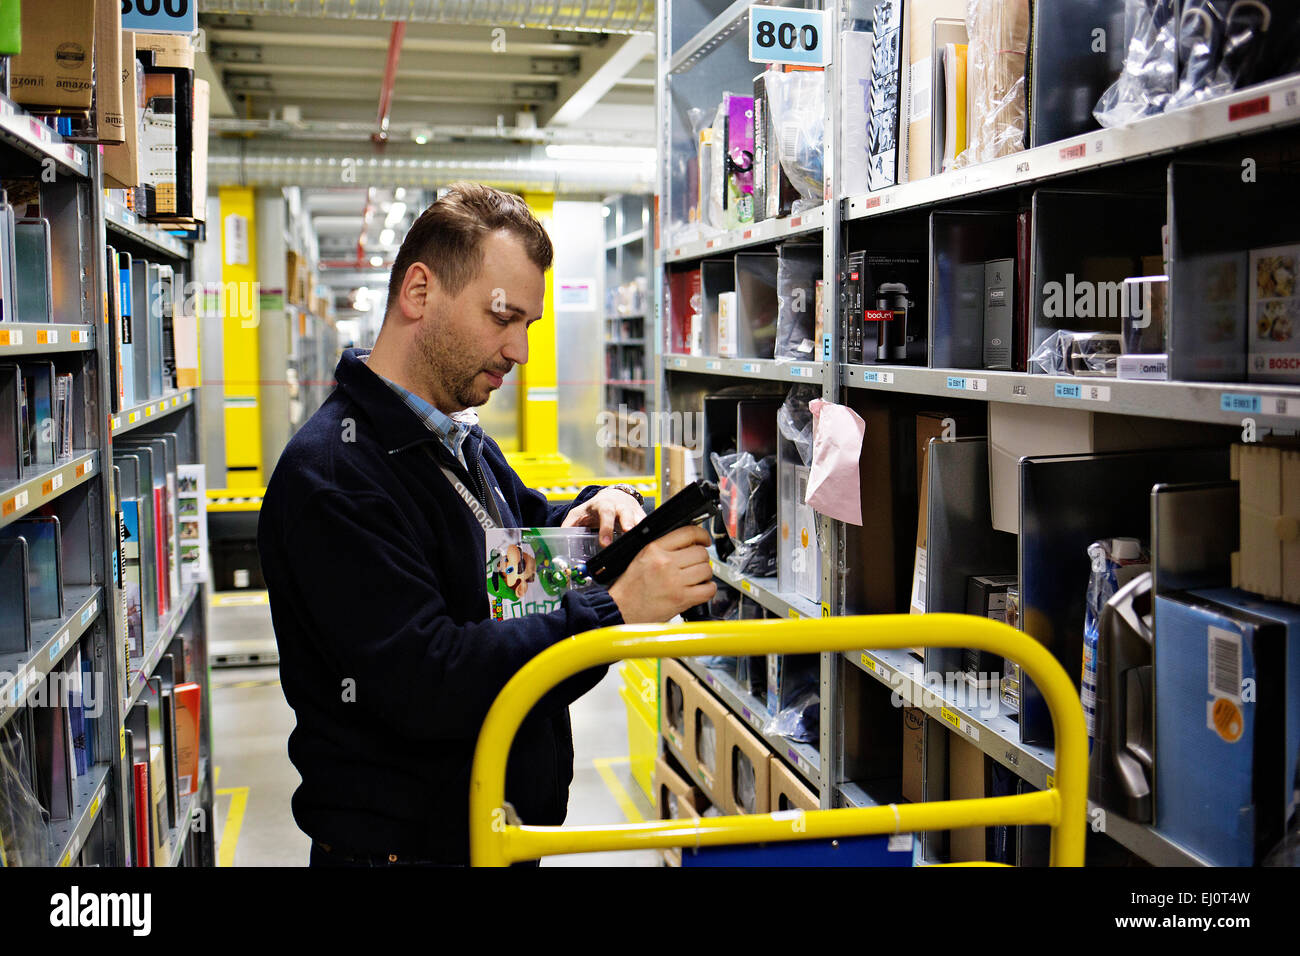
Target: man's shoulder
x=329, y=452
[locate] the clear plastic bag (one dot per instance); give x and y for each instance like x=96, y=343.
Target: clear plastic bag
x=747, y=488
x=797, y=102
x=23, y=830
x=801, y=720
x=1150, y=74
x=798, y=267
x=1079, y=353
x=795, y=422
x=744, y=788
x=995, y=76
x=706, y=743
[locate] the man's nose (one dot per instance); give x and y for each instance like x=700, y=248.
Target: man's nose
x=516, y=347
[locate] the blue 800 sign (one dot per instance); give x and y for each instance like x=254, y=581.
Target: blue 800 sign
x=151, y=8
x=786, y=36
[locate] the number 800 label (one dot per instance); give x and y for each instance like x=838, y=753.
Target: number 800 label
x=781, y=35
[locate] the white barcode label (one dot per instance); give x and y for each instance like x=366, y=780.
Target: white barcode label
x=789, y=140
x=183, y=784
x=900, y=843
x=1225, y=663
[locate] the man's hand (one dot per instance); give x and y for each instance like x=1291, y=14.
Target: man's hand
x=667, y=577
x=605, y=510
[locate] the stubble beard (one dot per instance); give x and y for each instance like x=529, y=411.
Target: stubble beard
x=446, y=367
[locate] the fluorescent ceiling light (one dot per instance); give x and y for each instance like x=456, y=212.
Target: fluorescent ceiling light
x=399, y=193
x=604, y=154
x=386, y=237
x=376, y=260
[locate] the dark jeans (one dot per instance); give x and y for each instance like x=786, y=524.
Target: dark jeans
x=320, y=856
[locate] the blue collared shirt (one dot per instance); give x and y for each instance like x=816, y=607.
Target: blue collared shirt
x=451, y=430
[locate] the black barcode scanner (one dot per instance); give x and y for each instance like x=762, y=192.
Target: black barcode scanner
x=694, y=503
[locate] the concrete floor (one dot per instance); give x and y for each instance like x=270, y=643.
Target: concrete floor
x=251, y=724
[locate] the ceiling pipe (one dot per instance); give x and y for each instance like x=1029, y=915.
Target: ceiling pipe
x=317, y=130
x=380, y=136
x=613, y=16
x=512, y=167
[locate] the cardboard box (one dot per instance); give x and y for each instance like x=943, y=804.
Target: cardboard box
x=169, y=49
x=158, y=804
x=55, y=69
x=787, y=791
x=1274, y=315
x=676, y=799
x=914, y=754
x=110, y=123
x=746, y=778
x=1017, y=432
x=1268, y=563
x=966, y=781
x=189, y=705
x=677, y=460
x=673, y=674
x=706, y=731
x=122, y=163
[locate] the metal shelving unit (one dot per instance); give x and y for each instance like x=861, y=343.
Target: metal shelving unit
x=81, y=489
x=701, y=55
x=131, y=418
x=767, y=369
x=161, y=638
x=33, y=338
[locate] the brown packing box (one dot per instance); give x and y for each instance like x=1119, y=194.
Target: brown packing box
x=705, y=763
x=914, y=754
x=787, y=791
x=1268, y=563
x=741, y=744
x=122, y=163
x=672, y=671
x=55, y=69
x=1020, y=431
x=202, y=108
x=169, y=49
x=689, y=801
x=674, y=458
x=110, y=126
x=966, y=781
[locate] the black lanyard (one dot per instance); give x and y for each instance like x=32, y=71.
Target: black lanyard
x=486, y=512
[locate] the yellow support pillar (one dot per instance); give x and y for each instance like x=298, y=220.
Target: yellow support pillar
x=240, y=357
x=539, y=425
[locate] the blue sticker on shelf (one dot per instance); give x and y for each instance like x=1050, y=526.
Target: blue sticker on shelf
x=1068, y=391
x=160, y=16
x=826, y=347
x=956, y=382
x=1232, y=402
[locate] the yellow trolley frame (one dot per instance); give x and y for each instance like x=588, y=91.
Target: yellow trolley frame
x=498, y=839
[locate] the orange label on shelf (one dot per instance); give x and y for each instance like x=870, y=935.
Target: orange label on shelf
x=9, y=507
x=47, y=487
x=4, y=337
x=42, y=336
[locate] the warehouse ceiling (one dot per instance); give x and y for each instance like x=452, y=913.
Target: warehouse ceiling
x=369, y=115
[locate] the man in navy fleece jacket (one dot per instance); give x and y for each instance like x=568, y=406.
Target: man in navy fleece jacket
x=374, y=562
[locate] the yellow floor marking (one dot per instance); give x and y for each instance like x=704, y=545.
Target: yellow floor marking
x=616, y=788
x=234, y=821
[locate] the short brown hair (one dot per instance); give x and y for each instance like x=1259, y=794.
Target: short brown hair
x=448, y=236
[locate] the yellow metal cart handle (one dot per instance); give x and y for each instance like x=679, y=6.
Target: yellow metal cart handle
x=496, y=840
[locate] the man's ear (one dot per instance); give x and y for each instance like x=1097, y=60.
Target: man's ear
x=417, y=286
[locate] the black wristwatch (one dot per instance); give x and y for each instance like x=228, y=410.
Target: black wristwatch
x=631, y=491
